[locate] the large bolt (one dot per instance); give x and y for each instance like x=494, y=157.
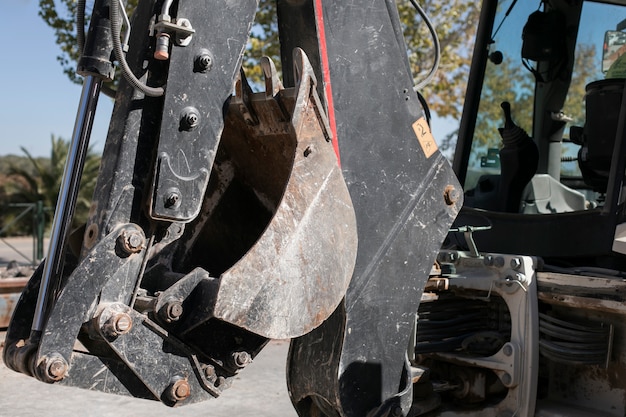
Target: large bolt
x=172, y=199
x=117, y=325
x=178, y=390
x=56, y=368
x=451, y=257
x=241, y=359
x=209, y=372
x=171, y=311
x=220, y=382
x=451, y=195
x=190, y=118
x=174, y=310
x=130, y=241
x=203, y=62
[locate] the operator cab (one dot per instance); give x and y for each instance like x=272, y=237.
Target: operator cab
x=540, y=151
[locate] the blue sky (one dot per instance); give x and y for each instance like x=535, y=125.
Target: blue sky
x=38, y=100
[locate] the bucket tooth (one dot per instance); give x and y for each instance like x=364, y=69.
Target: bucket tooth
x=273, y=85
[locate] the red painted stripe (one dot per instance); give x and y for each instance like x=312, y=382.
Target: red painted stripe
x=319, y=20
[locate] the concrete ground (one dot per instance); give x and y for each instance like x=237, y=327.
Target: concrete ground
x=259, y=391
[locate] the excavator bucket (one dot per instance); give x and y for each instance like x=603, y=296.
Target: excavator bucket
x=171, y=311
x=279, y=228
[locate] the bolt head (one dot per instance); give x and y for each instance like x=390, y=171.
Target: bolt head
x=131, y=241
x=178, y=390
x=172, y=311
x=203, y=62
x=241, y=359
x=117, y=325
x=123, y=323
x=56, y=368
x=516, y=263
x=209, y=372
x=451, y=195
x=190, y=118
x=172, y=200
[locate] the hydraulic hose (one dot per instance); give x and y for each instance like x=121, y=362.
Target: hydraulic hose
x=121, y=58
x=437, y=44
x=80, y=25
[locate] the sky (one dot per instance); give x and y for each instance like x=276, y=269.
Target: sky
x=38, y=100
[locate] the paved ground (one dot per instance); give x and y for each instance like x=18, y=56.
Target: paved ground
x=259, y=391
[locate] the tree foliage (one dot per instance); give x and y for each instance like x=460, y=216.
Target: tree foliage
x=41, y=180
x=509, y=82
x=586, y=70
x=59, y=15
x=455, y=23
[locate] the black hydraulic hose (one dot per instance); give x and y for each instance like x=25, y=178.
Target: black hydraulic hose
x=80, y=25
x=119, y=55
x=436, y=42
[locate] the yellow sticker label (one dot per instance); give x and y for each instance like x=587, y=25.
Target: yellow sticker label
x=425, y=138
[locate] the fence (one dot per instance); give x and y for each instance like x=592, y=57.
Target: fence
x=38, y=225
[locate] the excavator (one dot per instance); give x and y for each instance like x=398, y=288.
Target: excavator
x=321, y=210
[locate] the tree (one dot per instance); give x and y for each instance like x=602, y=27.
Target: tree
x=59, y=15
x=455, y=21
x=42, y=180
x=586, y=70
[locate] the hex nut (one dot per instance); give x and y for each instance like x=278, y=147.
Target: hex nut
x=178, y=390
x=241, y=359
x=117, y=325
x=172, y=200
x=130, y=241
x=516, y=263
x=209, y=372
x=189, y=119
x=55, y=368
x=451, y=195
x=171, y=311
x=203, y=62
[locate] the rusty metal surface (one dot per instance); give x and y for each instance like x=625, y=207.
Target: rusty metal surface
x=354, y=364
x=11, y=285
x=10, y=290
x=296, y=273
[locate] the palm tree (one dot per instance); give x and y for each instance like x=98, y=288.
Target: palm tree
x=42, y=179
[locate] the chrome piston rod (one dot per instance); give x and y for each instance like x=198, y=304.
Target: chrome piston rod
x=66, y=202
